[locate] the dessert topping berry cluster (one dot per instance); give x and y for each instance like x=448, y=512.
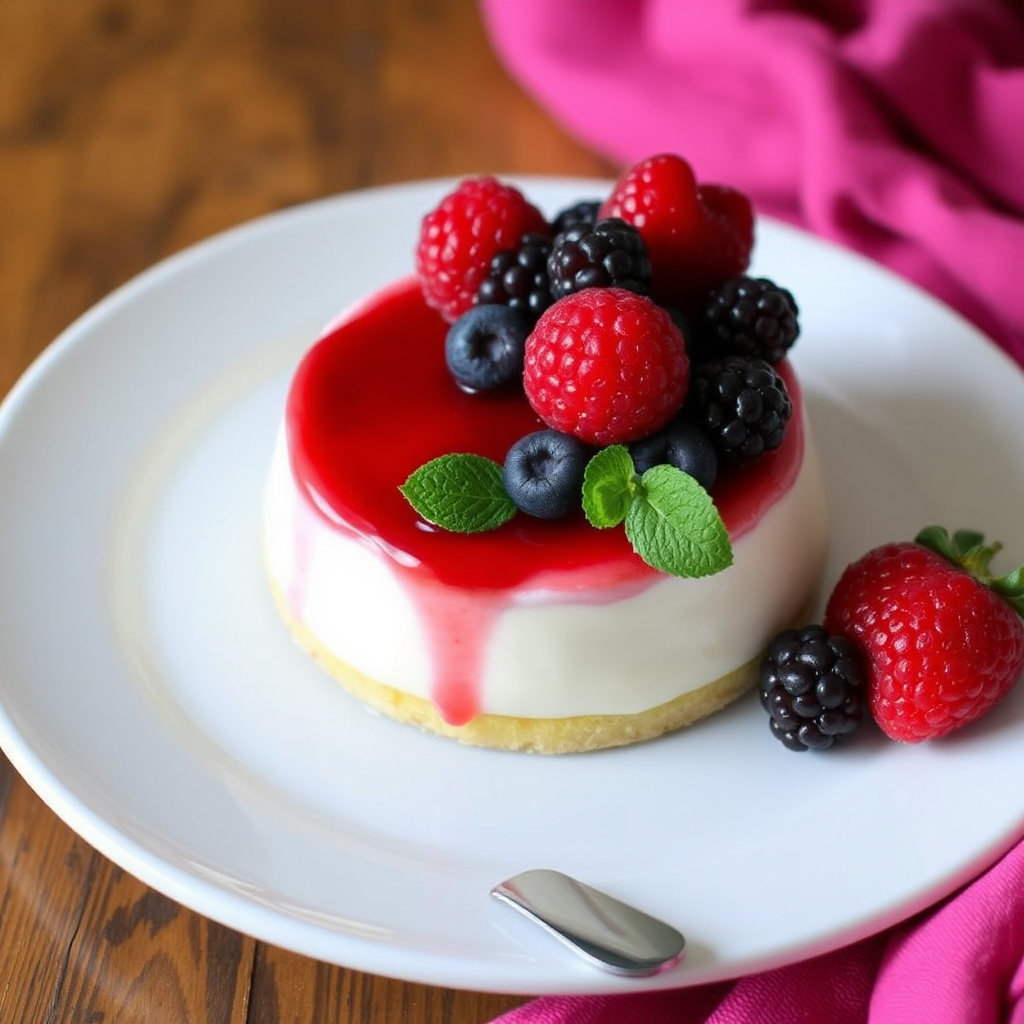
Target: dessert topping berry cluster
x=650, y=356
x=637, y=339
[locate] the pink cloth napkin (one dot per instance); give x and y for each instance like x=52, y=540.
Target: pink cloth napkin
x=895, y=127
x=960, y=963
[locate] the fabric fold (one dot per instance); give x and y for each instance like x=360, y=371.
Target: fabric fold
x=890, y=127
x=961, y=962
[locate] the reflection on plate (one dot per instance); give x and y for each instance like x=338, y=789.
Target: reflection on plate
x=151, y=697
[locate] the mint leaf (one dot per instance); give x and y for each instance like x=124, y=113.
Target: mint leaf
x=674, y=526
x=609, y=484
x=462, y=493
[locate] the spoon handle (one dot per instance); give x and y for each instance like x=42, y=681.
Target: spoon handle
x=604, y=931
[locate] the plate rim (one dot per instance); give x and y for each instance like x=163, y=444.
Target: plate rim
x=129, y=853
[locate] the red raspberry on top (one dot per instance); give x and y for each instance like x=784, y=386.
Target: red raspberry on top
x=697, y=236
x=606, y=365
x=460, y=236
x=942, y=640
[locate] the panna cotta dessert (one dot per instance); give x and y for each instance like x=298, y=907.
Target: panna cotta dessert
x=556, y=492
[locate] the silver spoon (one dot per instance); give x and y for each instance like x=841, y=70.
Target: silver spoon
x=604, y=931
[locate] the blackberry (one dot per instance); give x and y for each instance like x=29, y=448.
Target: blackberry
x=543, y=473
x=812, y=686
x=743, y=404
x=748, y=316
x=682, y=445
x=484, y=347
x=584, y=212
x=608, y=254
x=519, y=277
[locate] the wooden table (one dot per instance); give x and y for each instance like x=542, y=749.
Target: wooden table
x=128, y=131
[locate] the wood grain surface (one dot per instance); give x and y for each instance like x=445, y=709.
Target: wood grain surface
x=129, y=130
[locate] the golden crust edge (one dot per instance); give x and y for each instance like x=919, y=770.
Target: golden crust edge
x=570, y=735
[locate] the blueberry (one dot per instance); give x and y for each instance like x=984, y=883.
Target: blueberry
x=681, y=445
x=544, y=473
x=484, y=347
x=583, y=212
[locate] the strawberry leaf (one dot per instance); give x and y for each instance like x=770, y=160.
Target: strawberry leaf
x=964, y=540
x=967, y=550
x=937, y=539
x=1010, y=587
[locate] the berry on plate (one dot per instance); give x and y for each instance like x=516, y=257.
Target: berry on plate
x=812, y=686
x=697, y=236
x=463, y=233
x=606, y=365
x=942, y=637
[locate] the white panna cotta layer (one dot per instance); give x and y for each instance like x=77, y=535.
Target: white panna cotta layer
x=550, y=654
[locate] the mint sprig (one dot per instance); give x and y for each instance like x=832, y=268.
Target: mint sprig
x=669, y=517
x=609, y=486
x=462, y=493
x=674, y=526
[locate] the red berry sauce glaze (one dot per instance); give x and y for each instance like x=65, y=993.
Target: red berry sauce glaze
x=372, y=401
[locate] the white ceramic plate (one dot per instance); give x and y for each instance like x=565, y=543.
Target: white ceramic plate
x=151, y=697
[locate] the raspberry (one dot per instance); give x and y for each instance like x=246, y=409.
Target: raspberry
x=743, y=404
x=519, y=277
x=942, y=638
x=696, y=236
x=748, y=316
x=812, y=685
x=606, y=365
x=462, y=234
x=728, y=236
x=608, y=254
